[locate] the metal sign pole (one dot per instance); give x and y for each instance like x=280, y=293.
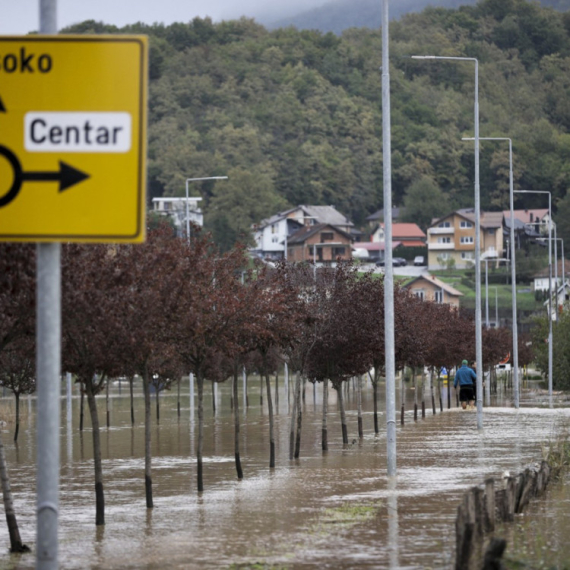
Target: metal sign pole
x=48, y=358
x=388, y=270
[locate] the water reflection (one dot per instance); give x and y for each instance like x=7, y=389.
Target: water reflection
x=273, y=517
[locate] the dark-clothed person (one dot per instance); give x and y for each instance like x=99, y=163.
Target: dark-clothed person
x=465, y=378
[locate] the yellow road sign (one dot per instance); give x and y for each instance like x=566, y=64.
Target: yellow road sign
x=73, y=138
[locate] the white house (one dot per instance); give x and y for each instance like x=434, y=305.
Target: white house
x=176, y=209
x=560, y=301
x=541, y=279
x=271, y=234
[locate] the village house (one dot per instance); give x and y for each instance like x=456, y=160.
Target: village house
x=429, y=288
x=452, y=237
x=175, y=209
x=272, y=235
x=321, y=243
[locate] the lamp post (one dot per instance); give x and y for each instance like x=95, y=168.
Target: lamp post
x=389, y=334
x=187, y=210
x=478, y=332
x=549, y=283
x=513, y=267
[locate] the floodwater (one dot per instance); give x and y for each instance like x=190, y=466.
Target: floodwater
x=333, y=510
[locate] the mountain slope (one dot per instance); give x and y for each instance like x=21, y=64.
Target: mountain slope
x=340, y=15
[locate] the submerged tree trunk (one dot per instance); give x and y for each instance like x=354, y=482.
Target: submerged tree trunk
x=236, y=425
x=214, y=397
x=200, y=382
x=13, y=530
x=423, y=395
x=99, y=494
x=374, y=380
x=271, y=436
x=299, y=421
x=108, y=413
x=359, y=404
x=147, y=440
x=415, y=394
x=277, y=389
x=293, y=419
x=439, y=392
x=157, y=390
x=449, y=388
x=432, y=392
x=325, y=438
x=132, y=401
x=81, y=406
x=261, y=391
x=17, y=394
x=342, y=415
x=178, y=401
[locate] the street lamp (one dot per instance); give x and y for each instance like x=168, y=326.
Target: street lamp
x=187, y=211
x=513, y=267
x=549, y=283
x=478, y=333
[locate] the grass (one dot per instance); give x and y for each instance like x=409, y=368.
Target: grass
x=525, y=300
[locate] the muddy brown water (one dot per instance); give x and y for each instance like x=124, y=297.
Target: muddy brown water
x=333, y=510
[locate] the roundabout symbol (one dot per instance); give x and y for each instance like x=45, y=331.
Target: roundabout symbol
x=67, y=176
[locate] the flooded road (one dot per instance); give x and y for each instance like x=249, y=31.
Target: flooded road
x=335, y=510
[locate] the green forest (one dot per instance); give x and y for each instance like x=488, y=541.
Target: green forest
x=294, y=117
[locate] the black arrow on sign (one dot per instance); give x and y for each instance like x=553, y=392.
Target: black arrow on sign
x=2, y=108
x=67, y=176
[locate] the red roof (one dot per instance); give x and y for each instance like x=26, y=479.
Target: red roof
x=403, y=231
x=413, y=243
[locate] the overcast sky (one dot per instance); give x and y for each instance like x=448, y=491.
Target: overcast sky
x=21, y=16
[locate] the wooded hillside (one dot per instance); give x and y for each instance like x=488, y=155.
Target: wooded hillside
x=294, y=117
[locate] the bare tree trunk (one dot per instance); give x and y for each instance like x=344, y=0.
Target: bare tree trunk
x=17, y=394
x=439, y=392
x=236, y=425
x=157, y=390
x=402, y=396
x=99, y=494
x=359, y=405
x=423, y=392
x=449, y=388
x=299, y=420
x=277, y=390
x=293, y=418
x=178, y=402
x=374, y=380
x=261, y=391
x=81, y=406
x=342, y=415
x=107, y=402
x=325, y=439
x=200, y=382
x=431, y=390
x=147, y=440
x=132, y=401
x=214, y=397
x=415, y=394
x=13, y=530
x=271, y=436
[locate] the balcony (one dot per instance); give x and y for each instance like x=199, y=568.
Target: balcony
x=441, y=246
x=439, y=231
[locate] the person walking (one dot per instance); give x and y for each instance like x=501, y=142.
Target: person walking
x=465, y=377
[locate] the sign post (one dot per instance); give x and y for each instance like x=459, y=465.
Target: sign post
x=72, y=168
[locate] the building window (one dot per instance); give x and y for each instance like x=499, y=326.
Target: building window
x=327, y=236
x=466, y=255
x=443, y=240
x=336, y=251
x=443, y=256
x=467, y=239
x=273, y=228
x=444, y=225
x=465, y=225
x=491, y=232
x=420, y=294
x=311, y=250
x=438, y=296
x=274, y=239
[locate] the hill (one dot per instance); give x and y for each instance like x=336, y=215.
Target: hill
x=339, y=15
x=294, y=117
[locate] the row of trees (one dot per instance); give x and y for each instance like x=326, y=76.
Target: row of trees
x=169, y=306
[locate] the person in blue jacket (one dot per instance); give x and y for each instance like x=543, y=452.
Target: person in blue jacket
x=465, y=377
